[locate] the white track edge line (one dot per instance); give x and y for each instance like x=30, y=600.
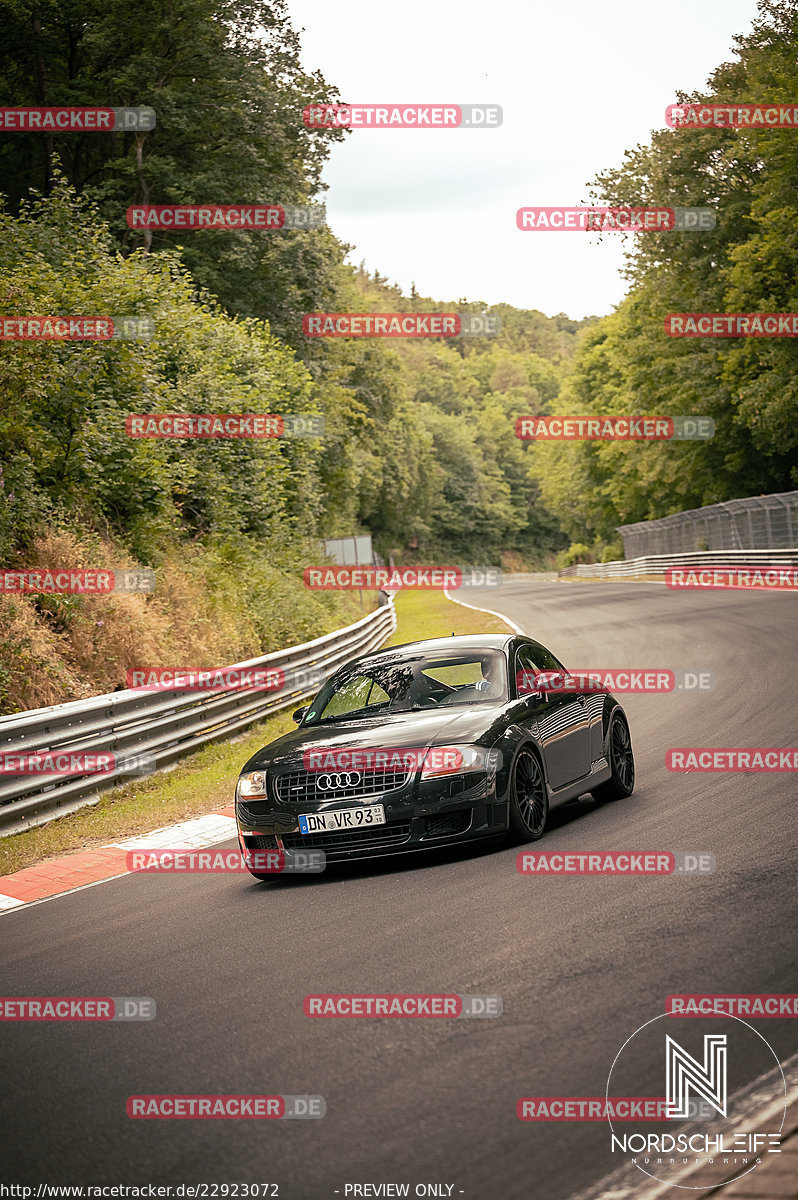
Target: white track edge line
x=491, y=612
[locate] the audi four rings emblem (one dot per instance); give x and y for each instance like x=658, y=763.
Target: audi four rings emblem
x=339, y=779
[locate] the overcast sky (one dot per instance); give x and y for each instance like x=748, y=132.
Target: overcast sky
x=579, y=82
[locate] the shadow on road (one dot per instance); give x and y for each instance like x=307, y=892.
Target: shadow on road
x=428, y=859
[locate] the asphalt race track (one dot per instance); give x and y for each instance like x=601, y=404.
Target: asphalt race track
x=580, y=962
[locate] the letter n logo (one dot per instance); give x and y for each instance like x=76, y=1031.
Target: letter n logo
x=683, y=1073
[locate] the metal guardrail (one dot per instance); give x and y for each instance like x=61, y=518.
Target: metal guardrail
x=657, y=564
x=161, y=726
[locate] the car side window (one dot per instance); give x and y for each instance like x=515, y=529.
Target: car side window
x=530, y=661
x=544, y=660
x=525, y=671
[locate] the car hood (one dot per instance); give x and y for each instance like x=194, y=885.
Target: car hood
x=420, y=730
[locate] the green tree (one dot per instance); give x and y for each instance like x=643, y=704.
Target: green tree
x=229, y=91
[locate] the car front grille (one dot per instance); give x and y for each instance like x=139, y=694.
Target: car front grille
x=447, y=823
x=349, y=839
x=299, y=787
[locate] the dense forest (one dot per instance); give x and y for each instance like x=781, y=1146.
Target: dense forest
x=419, y=447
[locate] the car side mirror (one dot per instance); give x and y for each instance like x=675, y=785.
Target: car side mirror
x=299, y=715
x=528, y=686
x=540, y=686
x=554, y=681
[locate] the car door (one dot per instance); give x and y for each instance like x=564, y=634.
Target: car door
x=559, y=720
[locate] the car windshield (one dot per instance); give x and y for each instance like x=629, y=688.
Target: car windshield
x=402, y=684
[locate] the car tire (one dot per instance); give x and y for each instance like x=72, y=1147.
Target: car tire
x=622, y=763
x=529, y=798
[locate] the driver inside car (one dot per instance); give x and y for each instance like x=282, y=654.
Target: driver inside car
x=489, y=687
x=491, y=683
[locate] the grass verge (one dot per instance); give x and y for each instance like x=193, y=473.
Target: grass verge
x=204, y=781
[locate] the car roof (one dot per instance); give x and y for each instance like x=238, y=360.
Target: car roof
x=471, y=641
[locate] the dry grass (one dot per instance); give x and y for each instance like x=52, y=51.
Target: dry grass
x=33, y=668
x=67, y=647
x=55, y=648
x=512, y=562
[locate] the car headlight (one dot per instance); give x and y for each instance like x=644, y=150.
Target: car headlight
x=253, y=783
x=456, y=760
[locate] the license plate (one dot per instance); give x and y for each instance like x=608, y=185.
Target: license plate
x=345, y=818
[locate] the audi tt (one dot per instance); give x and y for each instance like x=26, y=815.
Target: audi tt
x=430, y=744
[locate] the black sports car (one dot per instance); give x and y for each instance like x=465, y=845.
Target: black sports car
x=429, y=744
